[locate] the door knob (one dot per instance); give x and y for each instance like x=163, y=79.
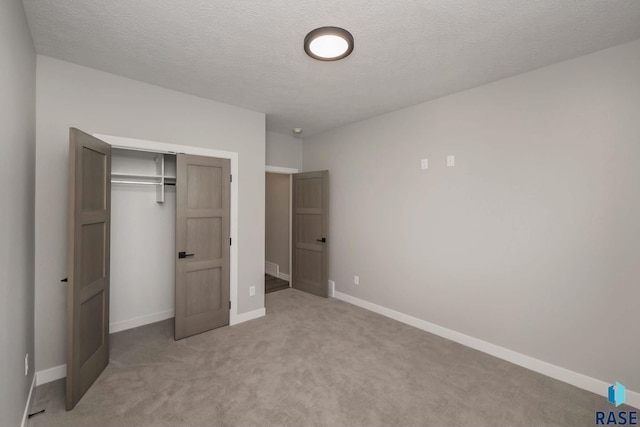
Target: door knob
x=184, y=255
x=324, y=239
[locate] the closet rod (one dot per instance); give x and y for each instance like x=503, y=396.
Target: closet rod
x=117, y=181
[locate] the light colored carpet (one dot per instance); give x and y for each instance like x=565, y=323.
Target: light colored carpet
x=311, y=362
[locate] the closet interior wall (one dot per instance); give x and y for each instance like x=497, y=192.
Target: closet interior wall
x=143, y=209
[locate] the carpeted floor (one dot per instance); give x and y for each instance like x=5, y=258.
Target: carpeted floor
x=272, y=284
x=311, y=362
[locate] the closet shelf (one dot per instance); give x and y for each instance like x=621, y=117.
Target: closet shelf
x=131, y=167
x=136, y=175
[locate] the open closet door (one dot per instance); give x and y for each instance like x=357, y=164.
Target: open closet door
x=87, y=263
x=203, y=193
x=310, y=232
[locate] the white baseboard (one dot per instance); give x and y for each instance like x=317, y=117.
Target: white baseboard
x=578, y=380
x=51, y=374
x=284, y=276
x=272, y=269
x=123, y=325
x=26, y=408
x=245, y=317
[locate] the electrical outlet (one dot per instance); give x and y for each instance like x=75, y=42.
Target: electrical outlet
x=26, y=364
x=252, y=291
x=356, y=280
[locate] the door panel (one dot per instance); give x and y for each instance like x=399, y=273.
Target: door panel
x=203, y=195
x=309, y=227
x=87, y=263
x=310, y=254
x=200, y=297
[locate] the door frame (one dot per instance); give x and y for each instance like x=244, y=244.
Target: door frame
x=161, y=147
x=290, y=172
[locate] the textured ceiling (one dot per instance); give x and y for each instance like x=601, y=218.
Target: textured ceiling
x=249, y=53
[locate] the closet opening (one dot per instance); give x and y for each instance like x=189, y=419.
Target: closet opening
x=144, y=175
x=278, y=222
x=143, y=238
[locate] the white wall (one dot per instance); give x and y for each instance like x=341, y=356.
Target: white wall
x=142, y=245
x=532, y=241
x=97, y=102
x=277, y=220
x=17, y=192
x=284, y=150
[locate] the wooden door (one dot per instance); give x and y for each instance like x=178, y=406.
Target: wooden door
x=203, y=188
x=310, y=232
x=87, y=263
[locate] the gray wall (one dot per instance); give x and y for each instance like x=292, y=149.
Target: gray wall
x=277, y=220
x=17, y=192
x=97, y=102
x=284, y=150
x=531, y=241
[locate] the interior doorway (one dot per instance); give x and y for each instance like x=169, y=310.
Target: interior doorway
x=278, y=221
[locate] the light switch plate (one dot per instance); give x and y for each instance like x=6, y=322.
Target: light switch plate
x=451, y=161
x=424, y=163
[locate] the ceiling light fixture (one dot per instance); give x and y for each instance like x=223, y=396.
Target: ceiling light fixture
x=328, y=43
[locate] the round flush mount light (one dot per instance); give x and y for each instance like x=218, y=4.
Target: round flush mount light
x=328, y=43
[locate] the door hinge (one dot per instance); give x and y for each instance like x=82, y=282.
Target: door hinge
x=230, y=178
x=229, y=305
x=230, y=241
